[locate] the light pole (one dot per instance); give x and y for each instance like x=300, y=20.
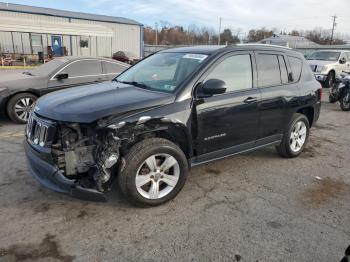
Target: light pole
x=156, y=33
x=219, y=31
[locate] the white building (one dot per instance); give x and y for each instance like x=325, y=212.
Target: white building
x=288, y=40
x=27, y=30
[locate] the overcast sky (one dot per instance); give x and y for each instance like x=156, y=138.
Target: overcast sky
x=236, y=14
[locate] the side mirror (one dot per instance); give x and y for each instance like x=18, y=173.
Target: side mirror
x=61, y=76
x=211, y=87
x=342, y=60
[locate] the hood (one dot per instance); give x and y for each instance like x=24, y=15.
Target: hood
x=15, y=81
x=320, y=62
x=89, y=103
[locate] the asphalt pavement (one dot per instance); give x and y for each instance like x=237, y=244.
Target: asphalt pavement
x=251, y=207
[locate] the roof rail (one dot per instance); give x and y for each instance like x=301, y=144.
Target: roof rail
x=267, y=45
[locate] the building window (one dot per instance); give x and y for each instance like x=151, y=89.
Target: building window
x=84, y=43
x=36, y=40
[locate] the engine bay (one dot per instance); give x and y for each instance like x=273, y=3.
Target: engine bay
x=86, y=155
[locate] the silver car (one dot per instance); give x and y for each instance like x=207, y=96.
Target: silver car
x=327, y=64
x=18, y=91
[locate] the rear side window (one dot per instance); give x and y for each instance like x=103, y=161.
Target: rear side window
x=84, y=68
x=113, y=68
x=268, y=70
x=296, y=66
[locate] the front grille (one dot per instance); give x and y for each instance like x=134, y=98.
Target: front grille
x=39, y=131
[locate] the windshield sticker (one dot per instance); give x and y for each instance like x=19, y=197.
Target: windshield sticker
x=169, y=87
x=195, y=56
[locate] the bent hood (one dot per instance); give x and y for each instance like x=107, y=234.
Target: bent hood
x=89, y=103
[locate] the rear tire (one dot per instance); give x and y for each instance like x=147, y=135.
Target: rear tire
x=295, y=138
x=145, y=180
x=19, y=106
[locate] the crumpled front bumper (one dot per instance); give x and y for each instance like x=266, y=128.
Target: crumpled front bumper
x=44, y=170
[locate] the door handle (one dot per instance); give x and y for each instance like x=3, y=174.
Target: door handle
x=250, y=100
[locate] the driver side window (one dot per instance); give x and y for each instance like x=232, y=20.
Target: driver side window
x=235, y=71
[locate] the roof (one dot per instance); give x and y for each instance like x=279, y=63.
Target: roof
x=200, y=49
x=67, y=14
x=73, y=58
x=211, y=49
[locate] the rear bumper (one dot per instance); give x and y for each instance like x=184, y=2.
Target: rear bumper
x=44, y=170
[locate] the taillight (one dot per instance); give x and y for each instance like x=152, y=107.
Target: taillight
x=320, y=93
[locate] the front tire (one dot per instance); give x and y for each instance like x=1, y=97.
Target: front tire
x=19, y=106
x=330, y=80
x=295, y=138
x=154, y=173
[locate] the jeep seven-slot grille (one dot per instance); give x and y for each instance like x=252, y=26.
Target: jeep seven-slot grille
x=39, y=131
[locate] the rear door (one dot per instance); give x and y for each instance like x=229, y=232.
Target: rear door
x=278, y=92
x=80, y=72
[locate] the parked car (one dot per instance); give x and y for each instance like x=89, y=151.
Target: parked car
x=328, y=64
x=19, y=91
x=125, y=57
x=173, y=110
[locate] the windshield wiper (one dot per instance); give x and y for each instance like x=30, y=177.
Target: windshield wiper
x=27, y=73
x=134, y=83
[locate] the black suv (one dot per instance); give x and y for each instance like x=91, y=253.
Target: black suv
x=175, y=109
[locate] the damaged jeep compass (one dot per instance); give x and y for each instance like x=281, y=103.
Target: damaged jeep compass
x=173, y=110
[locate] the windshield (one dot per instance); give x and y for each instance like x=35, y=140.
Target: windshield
x=47, y=68
x=325, y=56
x=163, y=71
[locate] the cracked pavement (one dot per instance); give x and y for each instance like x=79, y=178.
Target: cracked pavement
x=251, y=207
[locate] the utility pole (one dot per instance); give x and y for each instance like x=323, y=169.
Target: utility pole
x=156, y=33
x=333, y=28
x=219, y=31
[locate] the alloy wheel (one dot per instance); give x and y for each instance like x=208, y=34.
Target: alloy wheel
x=298, y=136
x=157, y=176
x=23, y=107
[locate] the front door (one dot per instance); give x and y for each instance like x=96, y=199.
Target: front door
x=56, y=45
x=228, y=123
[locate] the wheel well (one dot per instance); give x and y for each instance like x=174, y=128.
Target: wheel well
x=14, y=94
x=309, y=113
x=173, y=134
x=21, y=92
x=331, y=71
